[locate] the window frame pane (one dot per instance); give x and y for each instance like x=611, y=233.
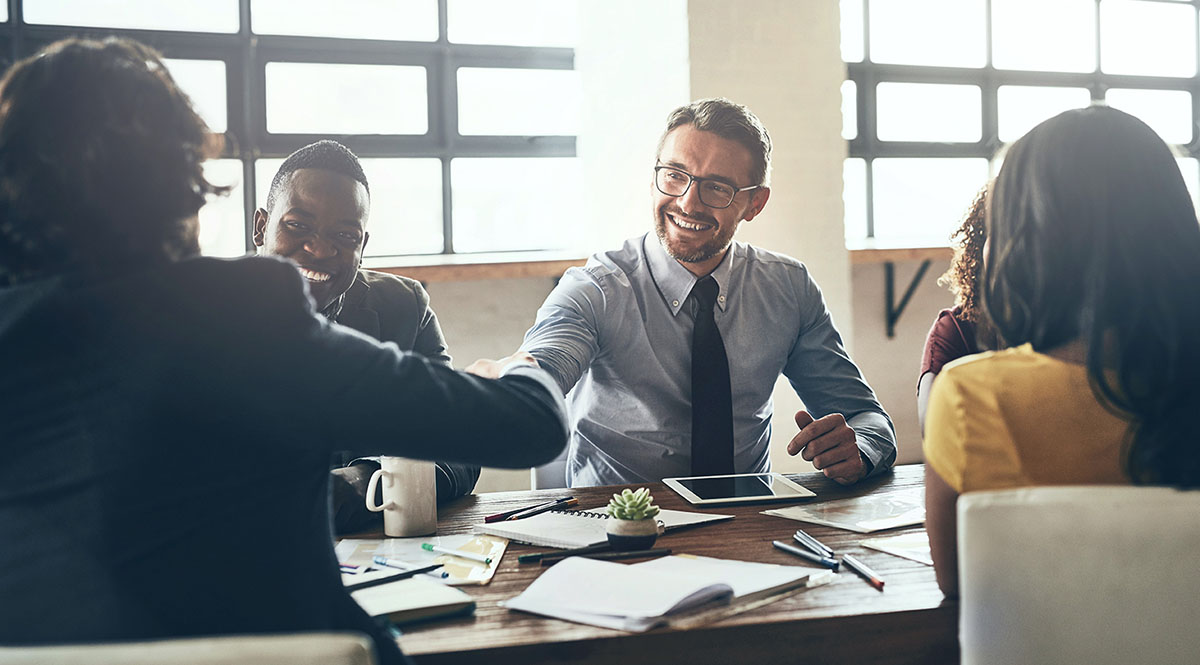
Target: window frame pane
x=867, y=144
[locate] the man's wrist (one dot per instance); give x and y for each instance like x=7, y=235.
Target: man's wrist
x=518, y=361
x=868, y=466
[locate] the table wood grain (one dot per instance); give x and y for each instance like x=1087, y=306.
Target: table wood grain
x=845, y=621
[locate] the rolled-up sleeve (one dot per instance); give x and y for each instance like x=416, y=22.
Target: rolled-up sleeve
x=828, y=381
x=565, y=338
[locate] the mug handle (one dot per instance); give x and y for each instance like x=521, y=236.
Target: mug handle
x=372, y=485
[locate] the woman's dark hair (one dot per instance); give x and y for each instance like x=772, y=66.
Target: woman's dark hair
x=100, y=162
x=1093, y=237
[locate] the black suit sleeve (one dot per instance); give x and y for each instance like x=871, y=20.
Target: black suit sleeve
x=319, y=386
x=405, y=317
x=453, y=480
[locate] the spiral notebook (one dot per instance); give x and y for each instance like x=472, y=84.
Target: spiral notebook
x=580, y=528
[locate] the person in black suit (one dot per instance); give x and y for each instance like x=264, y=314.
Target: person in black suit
x=132, y=371
x=316, y=215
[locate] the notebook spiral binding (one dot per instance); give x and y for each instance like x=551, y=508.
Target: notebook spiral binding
x=584, y=513
x=596, y=514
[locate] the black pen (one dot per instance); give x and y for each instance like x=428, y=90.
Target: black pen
x=562, y=554
x=403, y=575
x=609, y=556
x=806, y=555
x=509, y=513
x=538, y=510
x=812, y=543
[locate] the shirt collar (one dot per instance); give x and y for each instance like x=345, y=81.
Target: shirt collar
x=354, y=295
x=674, y=282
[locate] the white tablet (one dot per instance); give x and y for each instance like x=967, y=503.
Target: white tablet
x=739, y=487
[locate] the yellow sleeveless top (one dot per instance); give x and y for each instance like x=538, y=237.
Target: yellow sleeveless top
x=1016, y=418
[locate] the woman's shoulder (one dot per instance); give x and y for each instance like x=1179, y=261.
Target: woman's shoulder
x=1002, y=366
x=250, y=287
x=251, y=275
x=270, y=270
x=945, y=342
x=945, y=326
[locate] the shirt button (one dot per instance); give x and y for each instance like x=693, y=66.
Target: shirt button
x=721, y=298
x=674, y=303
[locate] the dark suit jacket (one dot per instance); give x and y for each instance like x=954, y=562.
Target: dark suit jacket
x=394, y=309
x=121, y=402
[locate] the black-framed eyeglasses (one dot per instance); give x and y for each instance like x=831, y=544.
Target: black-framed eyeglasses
x=713, y=193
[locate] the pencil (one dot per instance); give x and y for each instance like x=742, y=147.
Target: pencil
x=863, y=571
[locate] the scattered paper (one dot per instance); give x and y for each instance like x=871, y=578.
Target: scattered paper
x=361, y=551
x=914, y=546
x=865, y=514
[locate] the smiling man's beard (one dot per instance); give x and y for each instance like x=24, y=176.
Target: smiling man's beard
x=713, y=247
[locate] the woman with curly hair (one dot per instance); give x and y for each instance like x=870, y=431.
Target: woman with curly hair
x=1093, y=263
x=963, y=329
x=132, y=371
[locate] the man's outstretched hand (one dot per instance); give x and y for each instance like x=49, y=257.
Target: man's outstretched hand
x=492, y=369
x=830, y=445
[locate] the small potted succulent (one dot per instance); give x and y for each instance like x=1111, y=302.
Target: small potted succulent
x=631, y=524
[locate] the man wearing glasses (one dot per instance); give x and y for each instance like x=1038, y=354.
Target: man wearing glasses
x=670, y=346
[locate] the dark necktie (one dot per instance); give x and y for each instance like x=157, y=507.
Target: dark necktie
x=712, y=402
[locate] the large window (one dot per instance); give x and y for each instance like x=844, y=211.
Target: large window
x=464, y=111
x=936, y=87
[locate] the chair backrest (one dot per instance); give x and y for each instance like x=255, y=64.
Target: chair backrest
x=551, y=475
x=1086, y=574
x=294, y=649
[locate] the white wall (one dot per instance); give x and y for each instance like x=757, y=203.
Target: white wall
x=782, y=59
x=488, y=320
x=637, y=61
x=632, y=57
x=891, y=365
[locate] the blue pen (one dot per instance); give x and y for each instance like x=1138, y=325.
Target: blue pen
x=831, y=564
x=409, y=569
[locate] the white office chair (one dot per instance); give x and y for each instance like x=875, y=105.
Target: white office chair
x=1079, y=575
x=551, y=475
x=295, y=649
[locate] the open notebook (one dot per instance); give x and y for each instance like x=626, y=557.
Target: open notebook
x=580, y=528
x=641, y=596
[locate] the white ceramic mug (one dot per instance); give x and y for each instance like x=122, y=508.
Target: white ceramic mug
x=409, y=496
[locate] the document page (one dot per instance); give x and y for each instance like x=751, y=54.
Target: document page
x=864, y=514
x=614, y=595
x=744, y=577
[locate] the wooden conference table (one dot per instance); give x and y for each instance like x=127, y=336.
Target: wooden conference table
x=846, y=621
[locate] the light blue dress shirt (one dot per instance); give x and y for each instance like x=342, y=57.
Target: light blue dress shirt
x=616, y=336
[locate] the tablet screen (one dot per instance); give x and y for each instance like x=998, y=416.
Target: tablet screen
x=733, y=487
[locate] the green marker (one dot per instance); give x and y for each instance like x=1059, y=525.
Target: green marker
x=430, y=547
